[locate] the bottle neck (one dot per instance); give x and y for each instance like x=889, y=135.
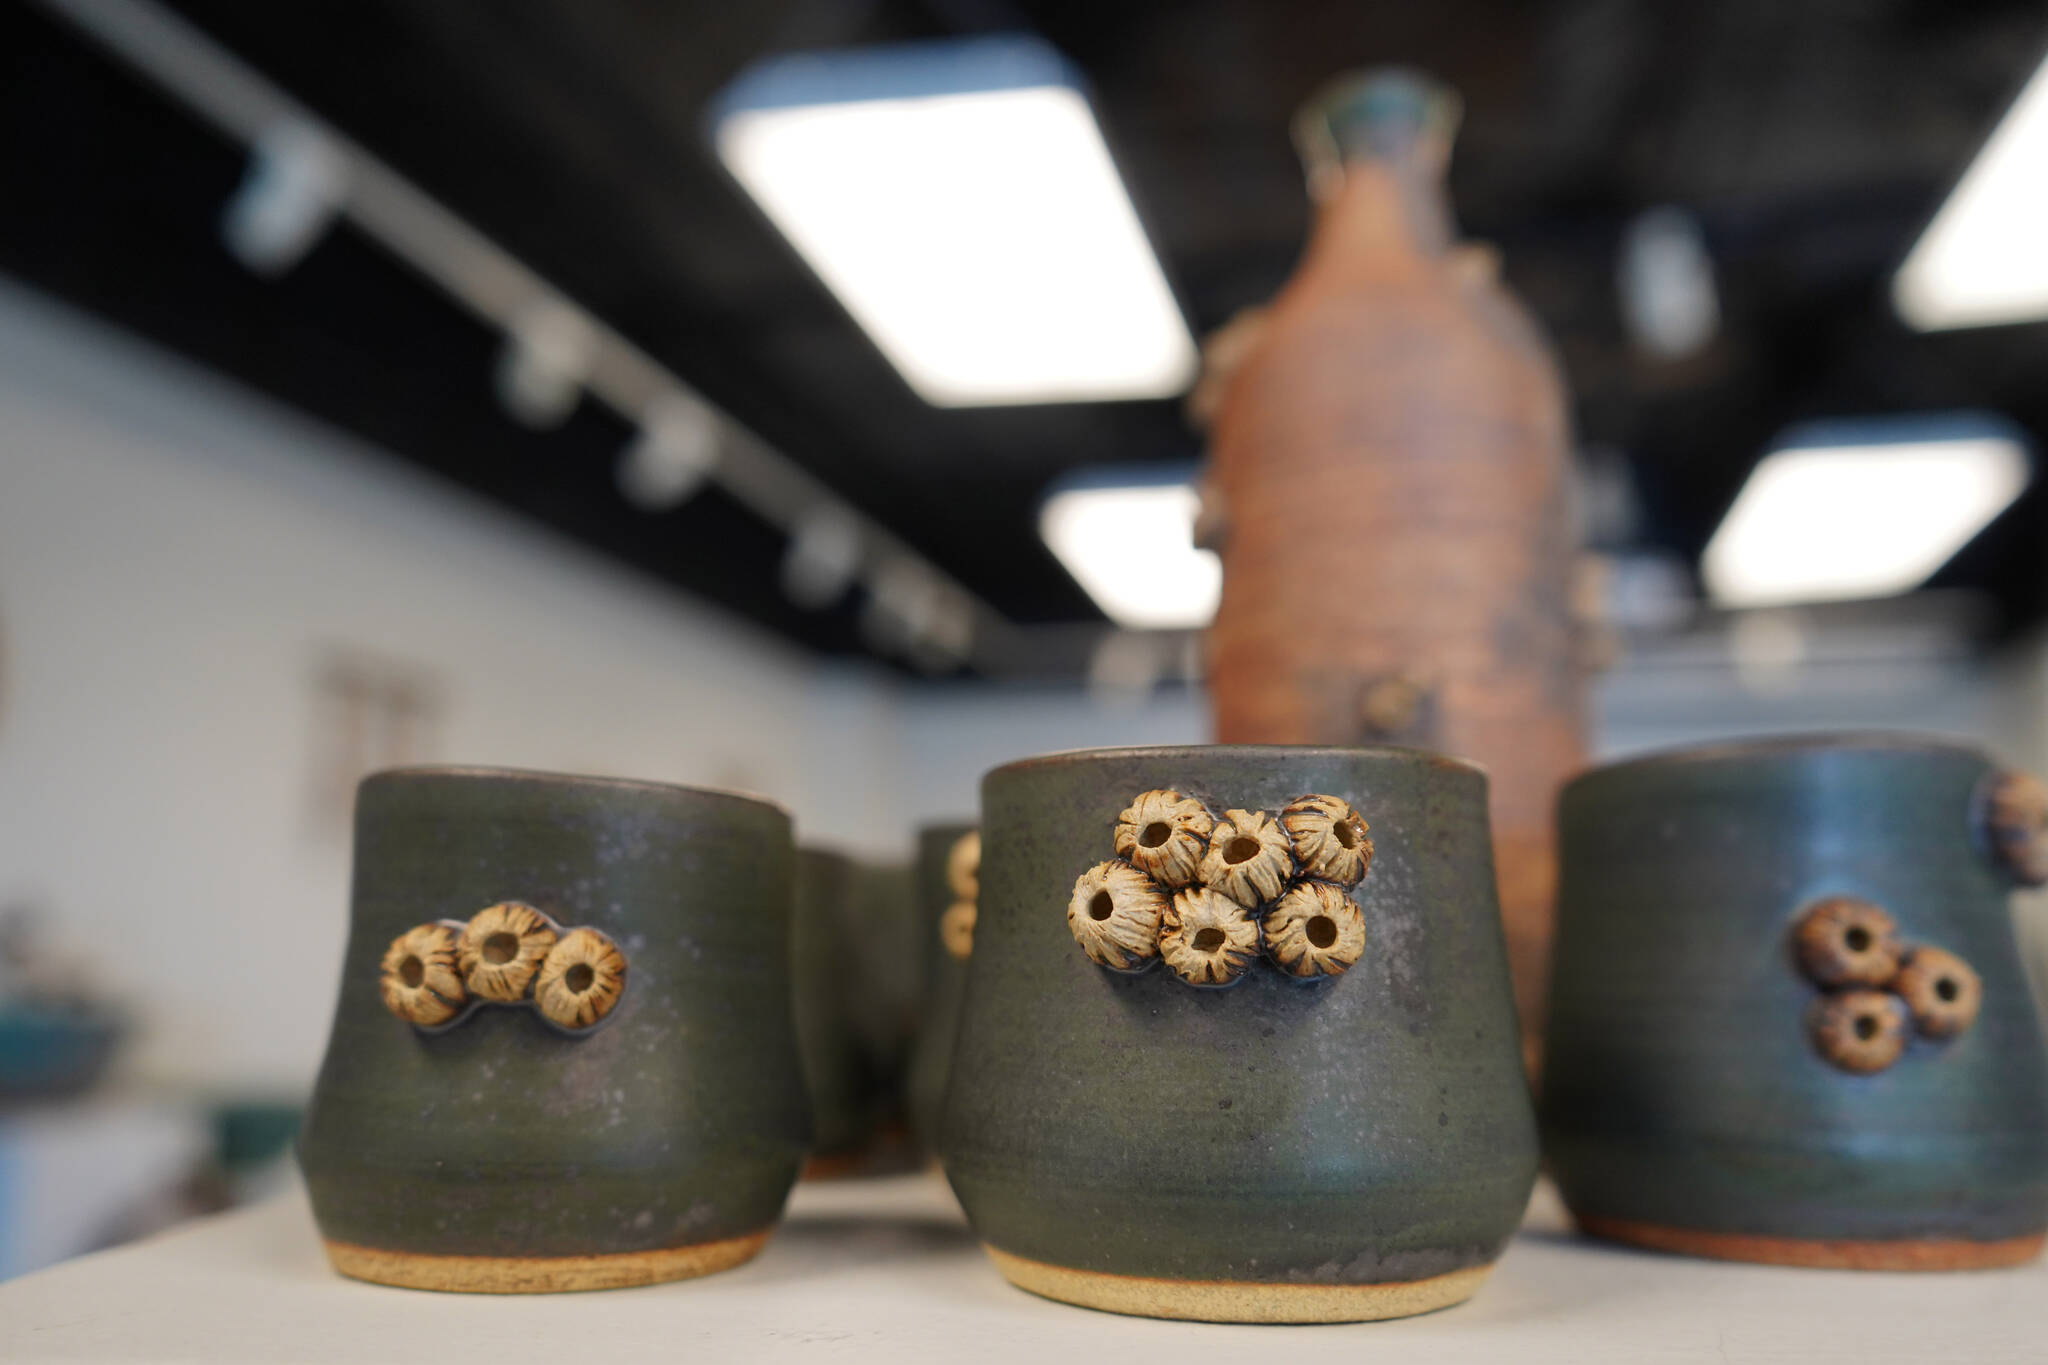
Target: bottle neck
x=1376, y=147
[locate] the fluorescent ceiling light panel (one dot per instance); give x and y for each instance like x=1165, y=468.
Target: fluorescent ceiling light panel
x=1828, y=522
x=959, y=200
x=1132, y=548
x=1984, y=258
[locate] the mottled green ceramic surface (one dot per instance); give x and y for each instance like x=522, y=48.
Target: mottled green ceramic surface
x=1680, y=1086
x=837, y=1069
x=680, y=1119
x=945, y=981
x=1369, y=1128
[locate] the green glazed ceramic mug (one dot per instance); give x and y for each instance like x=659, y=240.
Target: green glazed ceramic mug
x=1238, y=1042
x=563, y=1055
x=837, y=1068
x=888, y=1001
x=1789, y=1021
x=948, y=882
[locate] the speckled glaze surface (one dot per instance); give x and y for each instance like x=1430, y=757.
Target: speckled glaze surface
x=502, y=1154
x=1687, y=1107
x=945, y=981
x=1135, y=1143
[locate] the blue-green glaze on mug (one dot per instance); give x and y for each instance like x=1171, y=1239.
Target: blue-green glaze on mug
x=1789, y=1021
x=629, y=1107
x=1281, y=1150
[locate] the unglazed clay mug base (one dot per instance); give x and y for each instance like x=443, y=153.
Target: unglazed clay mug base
x=1789, y=1022
x=563, y=1056
x=1237, y=1042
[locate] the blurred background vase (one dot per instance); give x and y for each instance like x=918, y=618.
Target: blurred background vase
x=1387, y=486
x=1790, y=1022
x=492, y=1151
x=1359, y=1145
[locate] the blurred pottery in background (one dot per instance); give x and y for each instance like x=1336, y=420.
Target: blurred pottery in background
x=51, y=1049
x=948, y=881
x=887, y=1002
x=826, y=971
x=563, y=1056
x=59, y=1031
x=1387, y=487
x=1237, y=1041
x=1789, y=1021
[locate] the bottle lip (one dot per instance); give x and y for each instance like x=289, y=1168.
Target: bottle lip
x=1384, y=113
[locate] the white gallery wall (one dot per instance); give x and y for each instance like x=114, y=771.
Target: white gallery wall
x=183, y=568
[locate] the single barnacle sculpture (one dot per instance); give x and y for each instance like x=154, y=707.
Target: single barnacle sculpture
x=418, y=980
x=1314, y=930
x=1941, y=990
x=1248, y=859
x=1328, y=839
x=963, y=866
x=1842, y=941
x=1163, y=834
x=2016, y=823
x=1858, y=1030
x=1114, y=914
x=501, y=949
x=580, y=980
x=1207, y=938
x=963, y=879
x=956, y=929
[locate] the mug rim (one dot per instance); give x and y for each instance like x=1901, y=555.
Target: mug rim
x=1400, y=752
x=1790, y=743
x=508, y=774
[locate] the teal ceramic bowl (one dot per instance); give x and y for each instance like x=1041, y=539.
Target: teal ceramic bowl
x=1238, y=1041
x=948, y=873
x=1789, y=1022
x=562, y=1057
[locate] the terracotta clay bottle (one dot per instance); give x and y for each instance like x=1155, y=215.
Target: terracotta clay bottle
x=1388, y=488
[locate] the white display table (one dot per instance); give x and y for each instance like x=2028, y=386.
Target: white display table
x=887, y=1271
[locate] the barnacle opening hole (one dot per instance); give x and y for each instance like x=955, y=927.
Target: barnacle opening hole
x=1856, y=939
x=1866, y=1026
x=1155, y=834
x=1947, y=989
x=1208, y=940
x=1101, y=906
x=412, y=971
x=1322, y=930
x=500, y=948
x=1242, y=849
x=1347, y=834
x=579, y=977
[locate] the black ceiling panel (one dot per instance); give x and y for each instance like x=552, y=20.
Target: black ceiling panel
x=1812, y=141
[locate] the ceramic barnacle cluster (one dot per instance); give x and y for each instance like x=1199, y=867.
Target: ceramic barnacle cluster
x=1207, y=895
x=963, y=879
x=1877, y=988
x=434, y=974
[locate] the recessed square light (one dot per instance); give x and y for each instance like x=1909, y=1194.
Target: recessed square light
x=1984, y=258
x=1128, y=538
x=959, y=200
x=1861, y=510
